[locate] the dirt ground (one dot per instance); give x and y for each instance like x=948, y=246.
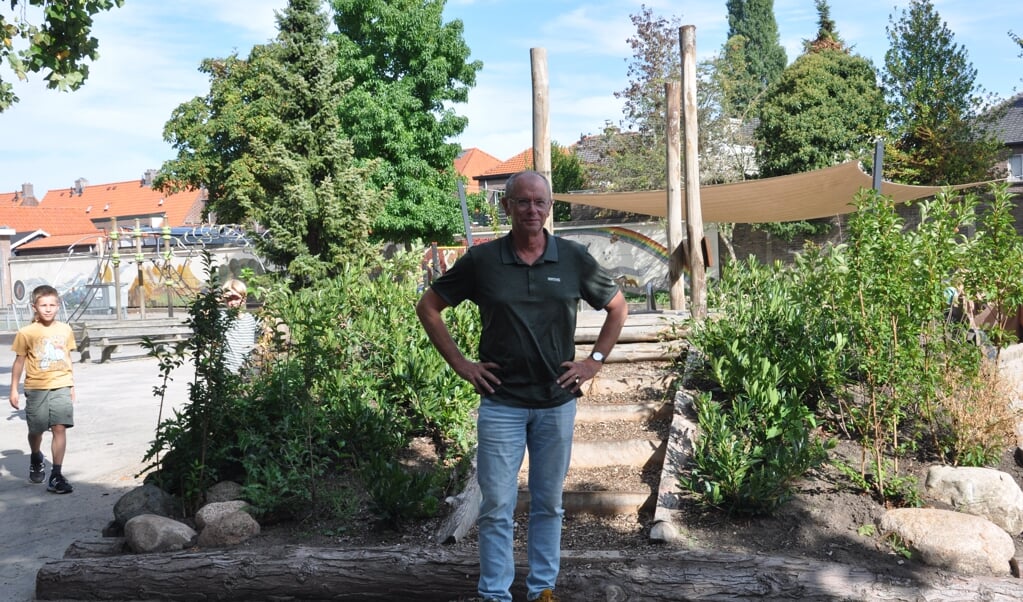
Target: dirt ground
x=826, y=520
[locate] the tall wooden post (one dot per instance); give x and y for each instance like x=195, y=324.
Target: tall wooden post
x=115, y=261
x=676, y=242
x=541, y=120
x=694, y=212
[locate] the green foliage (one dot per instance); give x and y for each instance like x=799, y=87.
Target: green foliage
x=566, y=175
x=267, y=144
x=938, y=115
x=59, y=44
x=789, y=231
x=347, y=381
x=191, y=442
x=748, y=456
x=824, y=109
x=864, y=333
x=407, y=68
x=770, y=312
x=764, y=57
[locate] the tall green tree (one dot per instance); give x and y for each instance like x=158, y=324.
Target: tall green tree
x=407, y=68
x=267, y=144
x=937, y=122
x=824, y=109
x=58, y=44
x=566, y=175
x=763, y=57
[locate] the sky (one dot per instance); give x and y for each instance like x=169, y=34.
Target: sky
x=111, y=129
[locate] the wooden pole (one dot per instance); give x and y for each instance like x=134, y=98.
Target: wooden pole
x=676, y=242
x=541, y=120
x=694, y=212
x=115, y=261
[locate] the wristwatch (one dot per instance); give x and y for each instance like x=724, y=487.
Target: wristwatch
x=598, y=356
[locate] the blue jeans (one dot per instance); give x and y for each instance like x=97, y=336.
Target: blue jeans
x=504, y=434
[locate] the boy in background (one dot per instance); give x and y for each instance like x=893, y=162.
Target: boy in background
x=44, y=355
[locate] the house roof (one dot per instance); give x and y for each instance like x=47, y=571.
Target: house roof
x=1009, y=127
x=471, y=163
x=64, y=226
x=129, y=200
x=523, y=160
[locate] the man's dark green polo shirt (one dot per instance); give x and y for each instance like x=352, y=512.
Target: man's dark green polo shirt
x=528, y=312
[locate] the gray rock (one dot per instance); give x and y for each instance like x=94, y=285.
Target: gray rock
x=147, y=499
x=211, y=513
x=228, y=530
x=964, y=543
x=148, y=533
x=984, y=492
x=224, y=491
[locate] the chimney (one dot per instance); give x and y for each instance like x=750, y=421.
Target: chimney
x=28, y=195
x=148, y=177
x=79, y=186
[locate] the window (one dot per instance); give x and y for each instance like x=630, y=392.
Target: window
x=1016, y=168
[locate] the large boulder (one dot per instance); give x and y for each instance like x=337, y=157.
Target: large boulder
x=211, y=513
x=228, y=530
x=984, y=492
x=964, y=543
x=224, y=491
x=146, y=499
x=147, y=533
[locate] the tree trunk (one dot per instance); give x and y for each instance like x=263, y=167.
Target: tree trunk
x=431, y=574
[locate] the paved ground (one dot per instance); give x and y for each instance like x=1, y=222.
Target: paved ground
x=115, y=419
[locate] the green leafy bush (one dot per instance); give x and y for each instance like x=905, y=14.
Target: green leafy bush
x=751, y=449
x=864, y=334
x=346, y=379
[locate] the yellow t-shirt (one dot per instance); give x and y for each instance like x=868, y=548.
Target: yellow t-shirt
x=47, y=351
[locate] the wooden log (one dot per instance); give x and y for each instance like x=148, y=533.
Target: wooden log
x=96, y=548
x=464, y=512
x=637, y=352
x=442, y=575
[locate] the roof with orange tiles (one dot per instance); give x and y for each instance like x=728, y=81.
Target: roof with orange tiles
x=64, y=226
x=54, y=220
x=523, y=160
x=471, y=163
x=129, y=200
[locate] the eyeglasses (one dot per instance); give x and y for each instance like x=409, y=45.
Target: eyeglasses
x=523, y=204
x=232, y=298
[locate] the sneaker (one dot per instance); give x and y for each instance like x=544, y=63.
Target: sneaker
x=58, y=484
x=546, y=596
x=35, y=469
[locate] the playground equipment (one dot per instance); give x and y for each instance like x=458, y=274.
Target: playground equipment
x=159, y=261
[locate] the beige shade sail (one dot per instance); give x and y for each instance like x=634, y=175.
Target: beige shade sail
x=820, y=193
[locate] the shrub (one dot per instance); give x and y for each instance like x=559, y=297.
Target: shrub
x=751, y=449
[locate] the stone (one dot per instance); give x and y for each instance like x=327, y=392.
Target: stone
x=964, y=543
x=229, y=530
x=146, y=499
x=985, y=492
x=211, y=513
x=224, y=491
x=148, y=533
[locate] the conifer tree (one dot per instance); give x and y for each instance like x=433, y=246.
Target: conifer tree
x=266, y=144
x=753, y=29
x=937, y=112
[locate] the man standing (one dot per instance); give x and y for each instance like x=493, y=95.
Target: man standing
x=527, y=286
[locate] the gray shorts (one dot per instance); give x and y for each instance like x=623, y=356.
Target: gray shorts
x=47, y=407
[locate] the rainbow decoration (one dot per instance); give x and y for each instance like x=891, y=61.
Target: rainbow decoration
x=619, y=234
